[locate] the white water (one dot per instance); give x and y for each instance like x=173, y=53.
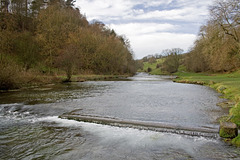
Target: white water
x=116, y=143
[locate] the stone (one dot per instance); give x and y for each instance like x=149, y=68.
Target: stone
x=228, y=130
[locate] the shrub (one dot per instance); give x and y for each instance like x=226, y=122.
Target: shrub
x=149, y=69
x=9, y=75
x=159, y=66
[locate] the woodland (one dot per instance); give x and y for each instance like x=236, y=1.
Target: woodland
x=39, y=38
x=217, y=48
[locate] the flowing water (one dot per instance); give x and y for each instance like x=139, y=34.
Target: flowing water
x=30, y=127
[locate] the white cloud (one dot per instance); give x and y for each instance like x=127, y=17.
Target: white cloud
x=124, y=10
x=151, y=38
x=187, y=14
x=154, y=3
x=137, y=29
x=151, y=26
x=101, y=9
x=154, y=43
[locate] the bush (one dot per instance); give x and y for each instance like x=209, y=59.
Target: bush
x=149, y=69
x=9, y=76
x=171, y=62
x=159, y=66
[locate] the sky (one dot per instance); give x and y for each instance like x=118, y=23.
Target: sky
x=150, y=25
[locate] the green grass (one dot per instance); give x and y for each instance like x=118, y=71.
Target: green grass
x=228, y=84
x=236, y=141
x=153, y=66
x=156, y=71
x=149, y=65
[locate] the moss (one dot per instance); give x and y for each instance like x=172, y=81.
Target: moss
x=235, y=114
x=221, y=88
x=236, y=141
x=223, y=119
x=228, y=130
x=226, y=133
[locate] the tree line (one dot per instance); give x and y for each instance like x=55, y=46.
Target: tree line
x=217, y=48
x=168, y=61
x=49, y=36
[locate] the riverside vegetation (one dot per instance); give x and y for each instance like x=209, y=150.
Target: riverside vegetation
x=227, y=83
x=41, y=41
x=214, y=60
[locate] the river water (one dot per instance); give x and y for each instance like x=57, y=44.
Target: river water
x=31, y=129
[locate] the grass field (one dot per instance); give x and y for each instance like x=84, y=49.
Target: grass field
x=228, y=83
x=153, y=66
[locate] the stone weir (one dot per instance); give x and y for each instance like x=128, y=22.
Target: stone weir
x=144, y=125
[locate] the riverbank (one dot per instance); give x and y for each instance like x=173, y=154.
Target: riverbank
x=226, y=83
x=94, y=77
x=30, y=81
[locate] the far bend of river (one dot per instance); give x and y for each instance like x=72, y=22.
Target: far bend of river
x=30, y=127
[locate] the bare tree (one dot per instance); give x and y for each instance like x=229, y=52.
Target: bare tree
x=226, y=13
x=4, y=4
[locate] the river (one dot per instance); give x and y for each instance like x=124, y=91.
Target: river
x=30, y=127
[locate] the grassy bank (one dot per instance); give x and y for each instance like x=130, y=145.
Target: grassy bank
x=155, y=68
x=228, y=84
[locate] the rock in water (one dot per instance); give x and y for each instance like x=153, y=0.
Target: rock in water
x=228, y=130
